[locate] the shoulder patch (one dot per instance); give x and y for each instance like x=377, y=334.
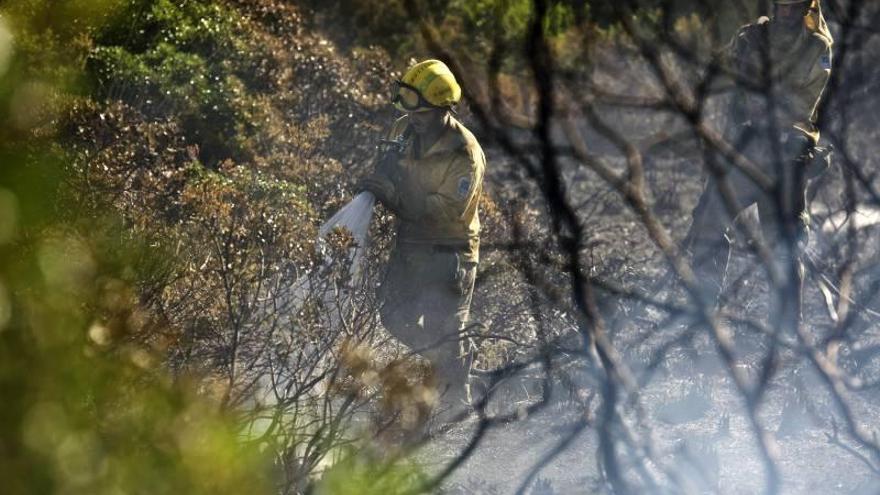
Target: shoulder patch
x=825, y=61
x=464, y=186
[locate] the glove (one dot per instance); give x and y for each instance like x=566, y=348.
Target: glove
x=380, y=187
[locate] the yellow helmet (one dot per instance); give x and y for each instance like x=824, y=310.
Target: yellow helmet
x=426, y=85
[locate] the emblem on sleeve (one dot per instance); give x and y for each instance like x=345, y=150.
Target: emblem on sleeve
x=464, y=186
x=826, y=62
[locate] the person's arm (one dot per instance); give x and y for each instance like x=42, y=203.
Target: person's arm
x=383, y=181
x=738, y=60
x=815, y=84
x=803, y=95
x=724, y=57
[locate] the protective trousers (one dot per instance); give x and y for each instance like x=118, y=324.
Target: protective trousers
x=781, y=210
x=426, y=298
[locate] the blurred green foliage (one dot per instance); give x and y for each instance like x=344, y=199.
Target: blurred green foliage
x=475, y=29
x=86, y=409
x=161, y=161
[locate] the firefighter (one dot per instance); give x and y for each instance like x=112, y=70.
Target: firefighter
x=430, y=177
x=780, y=66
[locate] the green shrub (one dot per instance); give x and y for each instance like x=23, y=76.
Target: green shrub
x=165, y=169
x=87, y=406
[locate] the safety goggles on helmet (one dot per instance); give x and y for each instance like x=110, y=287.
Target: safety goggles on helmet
x=408, y=98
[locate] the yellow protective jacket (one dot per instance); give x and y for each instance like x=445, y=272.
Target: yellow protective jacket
x=799, y=73
x=437, y=194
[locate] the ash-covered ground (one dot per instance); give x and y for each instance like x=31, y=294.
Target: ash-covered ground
x=687, y=414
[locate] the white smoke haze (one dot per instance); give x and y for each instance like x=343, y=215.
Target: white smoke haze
x=673, y=404
x=353, y=219
x=294, y=393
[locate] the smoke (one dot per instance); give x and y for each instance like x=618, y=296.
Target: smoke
x=327, y=282
x=332, y=285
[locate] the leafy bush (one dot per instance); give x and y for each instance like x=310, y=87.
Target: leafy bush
x=87, y=408
x=166, y=166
